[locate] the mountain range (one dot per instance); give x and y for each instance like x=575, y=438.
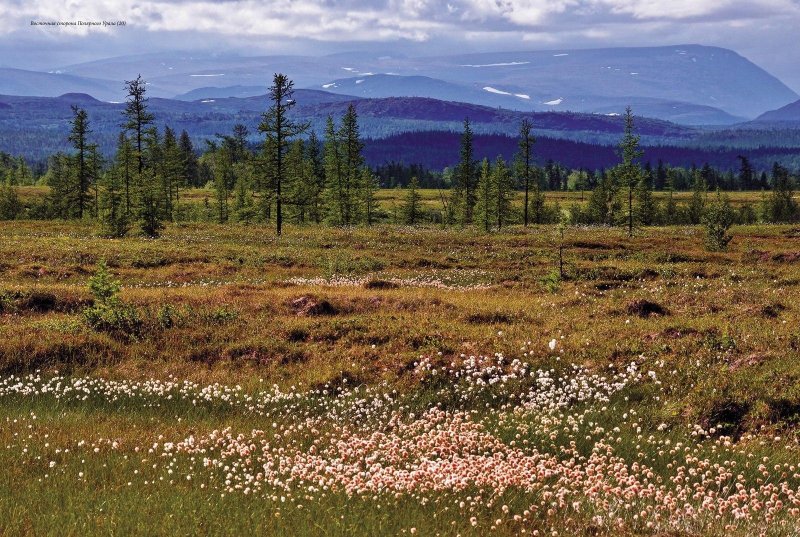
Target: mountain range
x=414, y=130
x=686, y=84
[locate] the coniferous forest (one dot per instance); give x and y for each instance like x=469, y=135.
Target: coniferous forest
x=295, y=175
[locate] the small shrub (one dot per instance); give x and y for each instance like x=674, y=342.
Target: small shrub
x=552, y=282
x=109, y=313
x=718, y=219
x=220, y=315
x=168, y=316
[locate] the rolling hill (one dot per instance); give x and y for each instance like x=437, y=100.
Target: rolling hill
x=688, y=84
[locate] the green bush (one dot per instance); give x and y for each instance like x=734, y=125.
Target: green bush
x=108, y=313
x=718, y=219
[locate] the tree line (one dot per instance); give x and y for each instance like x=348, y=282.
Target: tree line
x=292, y=175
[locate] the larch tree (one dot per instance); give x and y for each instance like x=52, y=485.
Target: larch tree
x=137, y=119
x=503, y=191
x=525, y=163
x=189, y=168
x=279, y=131
x=411, y=207
x=629, y=171
x=464, y=177
x=78, y=138
x=485, y=198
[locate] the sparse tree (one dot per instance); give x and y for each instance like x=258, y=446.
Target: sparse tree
x=279, y=130
x=525, y=162
x=411, y=207
x=718, y=219
x=485, y=203
x=77, y=137
x=629, y=171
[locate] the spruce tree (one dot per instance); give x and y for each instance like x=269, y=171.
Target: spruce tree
x=317, y=169
x=126, y=164
x=334, y=194
x=629, y=172
x=368, y=188
x=485, y=198
x=698, y=200
x=352, y=167
x=781, y=205
x=279, y=130
x=646, y=205
x=503, y=192
x=59, y=179
x=150, y=195
x=172, y=171
x=747, y=176
x=78, y=138
x=112, y=213
x=464, y=177
x=136, y=117
x=525, y=162
x=188, y=159
x=411, y=208
x=537, y=210
x=10, y=204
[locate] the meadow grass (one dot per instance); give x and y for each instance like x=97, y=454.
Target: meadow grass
x=445, y=355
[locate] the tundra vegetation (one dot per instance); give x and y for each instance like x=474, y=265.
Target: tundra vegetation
x=368, y=374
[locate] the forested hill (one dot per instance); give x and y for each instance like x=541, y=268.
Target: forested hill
x=436, y=150
x=403, y=129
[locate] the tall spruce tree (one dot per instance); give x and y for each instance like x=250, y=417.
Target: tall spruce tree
x=136, y=117
x=172, y=171
x=485, y=198
x=113, y=209
x=126, y=166
x=10, y=204
x=503, y=191
x=78, y=138
x=368, y=188
x=464, y=177
x=411, y=207
x=781, y=205
x=525, y=162
x=334, y=194
x=317, y=168
x=353, y=179
x=189, y=169
x=629, y=171
x=59, y=179
x=279, y=130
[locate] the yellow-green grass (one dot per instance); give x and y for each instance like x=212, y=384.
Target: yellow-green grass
x=391, y=198
x=728, y=339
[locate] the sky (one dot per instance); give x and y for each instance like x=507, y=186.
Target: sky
x=764, y=31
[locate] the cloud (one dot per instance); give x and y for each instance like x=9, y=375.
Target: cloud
x=362, y=20
x=759, y=28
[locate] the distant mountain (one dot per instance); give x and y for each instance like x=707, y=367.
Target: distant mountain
x=690, y=84
x=512, y=98
x=38, y=126
x=209, y=92
x=788, y=113
x=21, y=82
x=388, y=85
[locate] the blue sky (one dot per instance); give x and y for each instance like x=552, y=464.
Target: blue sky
x=764, y=31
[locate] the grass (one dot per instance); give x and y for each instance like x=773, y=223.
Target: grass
x=235, y=305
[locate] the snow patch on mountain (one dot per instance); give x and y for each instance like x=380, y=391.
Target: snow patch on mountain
x=500, y=64
x=495, y=90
